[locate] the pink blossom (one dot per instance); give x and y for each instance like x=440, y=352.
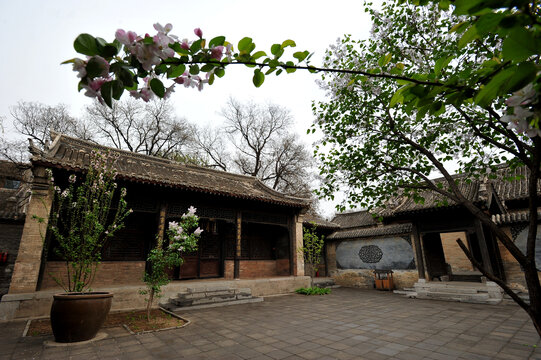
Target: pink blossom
x=163, y=29
x=198, y=32
x=217, y=52
x=185, y=44
x=198, y=231
x=79, y=65
x=126, y=38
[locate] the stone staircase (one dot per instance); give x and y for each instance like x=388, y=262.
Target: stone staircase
x=470, y=292
x=210, y=296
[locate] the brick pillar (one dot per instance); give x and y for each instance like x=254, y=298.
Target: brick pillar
x=330, y=257
x=27, y=266
x=298, y=258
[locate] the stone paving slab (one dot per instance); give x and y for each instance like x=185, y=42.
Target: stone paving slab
x=348, y=324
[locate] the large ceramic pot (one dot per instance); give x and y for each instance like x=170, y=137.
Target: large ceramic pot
x=79, y=316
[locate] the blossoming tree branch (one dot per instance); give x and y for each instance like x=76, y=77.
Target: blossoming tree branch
x=148, y=66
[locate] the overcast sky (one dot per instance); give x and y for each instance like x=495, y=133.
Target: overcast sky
x=38, y=36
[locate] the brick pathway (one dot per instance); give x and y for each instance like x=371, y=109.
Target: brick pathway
x=348, y=324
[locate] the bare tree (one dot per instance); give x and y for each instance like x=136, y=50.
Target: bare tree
x=151, y=129
x=262, y=146
x=212, y=148
x=35, y=120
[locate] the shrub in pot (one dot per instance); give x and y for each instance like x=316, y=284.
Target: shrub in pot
x=85, y=214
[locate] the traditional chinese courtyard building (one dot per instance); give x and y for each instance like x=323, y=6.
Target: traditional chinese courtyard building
x=250, y=230
x=417, y=241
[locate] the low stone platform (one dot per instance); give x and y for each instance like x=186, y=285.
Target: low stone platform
x=470, y=292
x=209, y=296
x=38, y=304
x=324, y=282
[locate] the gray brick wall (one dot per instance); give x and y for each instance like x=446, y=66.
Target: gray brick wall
x=10, y=237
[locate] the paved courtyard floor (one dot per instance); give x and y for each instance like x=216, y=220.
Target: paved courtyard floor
x=348, y=324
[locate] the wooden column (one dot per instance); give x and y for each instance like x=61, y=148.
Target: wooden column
x=291, y=232
x=238, y=249
x=418, y=251
x=485, y=255
x=27, y=266
x=161, y=223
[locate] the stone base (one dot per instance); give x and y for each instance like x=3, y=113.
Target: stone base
x=38, y=304
x=470, y=292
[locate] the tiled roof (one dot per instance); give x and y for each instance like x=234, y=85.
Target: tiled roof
x=354, y=219
x=432, y=200
x=320, y=222
x=396, y=229
x=516, y=188
x=11, y=215
x=514, y=217
x=73, y=154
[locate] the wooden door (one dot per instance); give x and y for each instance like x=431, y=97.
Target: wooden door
x=210, y=254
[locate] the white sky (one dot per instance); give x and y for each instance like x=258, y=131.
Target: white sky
x=38, y=36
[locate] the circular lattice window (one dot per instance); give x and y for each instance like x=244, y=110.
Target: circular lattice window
x=370, y=254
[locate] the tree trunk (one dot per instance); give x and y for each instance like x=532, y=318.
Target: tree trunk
x=149, y=304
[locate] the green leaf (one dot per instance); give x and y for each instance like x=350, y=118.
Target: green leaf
x=301, y=55
x=217, y=41
x=194, y=69
x=176, y=71
x=95, y=67
x=290, y=70
x=441, y=63
x=469, y=36
x=275, y=48
x=86, y=44
x=219, y=72
x=509, y=80
x=196, y=45
x=106, y=91
x=488, y=23
x=258, y=54
x=384, y=59
x=245, y=44
x=287, y=43
x=157, y=87
x=125, y=76
x=117, y=89
x=460, y=27
x=258, y=78
x=524, y=74
x=519, y=45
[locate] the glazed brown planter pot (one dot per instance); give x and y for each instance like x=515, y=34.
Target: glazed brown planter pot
x=79, y=316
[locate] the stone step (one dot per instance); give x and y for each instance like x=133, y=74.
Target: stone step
x=171, y=307
x=457, y=297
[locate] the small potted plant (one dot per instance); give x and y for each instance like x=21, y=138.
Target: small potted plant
x=85, y=214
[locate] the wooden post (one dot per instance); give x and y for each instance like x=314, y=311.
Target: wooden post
x=485, y=255
x=161, y=223
x=418, y=251
x=238, y=250
x=291, y=232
